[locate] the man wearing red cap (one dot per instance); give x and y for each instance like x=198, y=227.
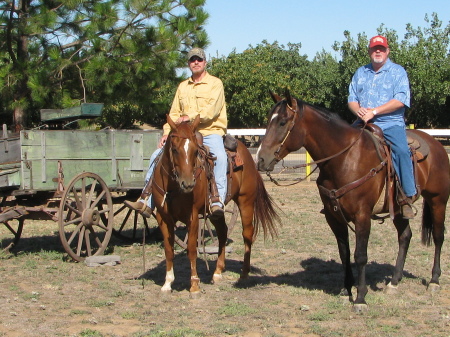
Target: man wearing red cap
x=379, y=93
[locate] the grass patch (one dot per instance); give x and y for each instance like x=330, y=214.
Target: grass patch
x=90, y=333
x=235, y=309
x=181, y=332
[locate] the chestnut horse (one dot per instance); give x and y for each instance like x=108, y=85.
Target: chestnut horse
x=180, y=191
x=344, y=155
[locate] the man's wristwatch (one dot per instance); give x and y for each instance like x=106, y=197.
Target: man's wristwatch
x=374, y=112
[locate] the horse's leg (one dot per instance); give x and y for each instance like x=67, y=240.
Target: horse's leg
x=246, y=209
x=341, y=233
x=404, y=235
x=435, y=214
x=192, y=254
x=222, y=234
x=362, y=239
x=168, y=235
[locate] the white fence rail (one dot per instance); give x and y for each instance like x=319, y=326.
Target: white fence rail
x=444, y=133
x=251, y=138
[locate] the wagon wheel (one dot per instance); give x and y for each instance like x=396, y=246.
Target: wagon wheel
x=16, y=231
x=231, y=214
x=84, y=202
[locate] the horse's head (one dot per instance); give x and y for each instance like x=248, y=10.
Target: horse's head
x=278, y=141
x=183, y=147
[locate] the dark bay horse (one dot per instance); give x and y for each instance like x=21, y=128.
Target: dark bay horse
x=348, y=155
x=180, y=191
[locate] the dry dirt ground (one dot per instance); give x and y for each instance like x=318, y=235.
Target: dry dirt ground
x=293, y=289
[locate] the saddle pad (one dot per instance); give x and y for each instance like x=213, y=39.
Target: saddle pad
x=417, y=143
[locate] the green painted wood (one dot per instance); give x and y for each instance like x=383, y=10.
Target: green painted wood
x=85, y=110
x=119, y=157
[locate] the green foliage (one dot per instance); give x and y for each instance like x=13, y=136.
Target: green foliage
x=58, y=55
x=248, y=76
x=125, y=54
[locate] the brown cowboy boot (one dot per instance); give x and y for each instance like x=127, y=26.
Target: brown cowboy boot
x=407, y=210
x=140, y=207
x=216, y=208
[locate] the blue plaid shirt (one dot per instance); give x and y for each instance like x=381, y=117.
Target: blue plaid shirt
x=372, y=89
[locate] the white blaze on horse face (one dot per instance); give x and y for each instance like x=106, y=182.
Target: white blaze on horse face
x=273, y=117
x=257, y=152
x=186, y=147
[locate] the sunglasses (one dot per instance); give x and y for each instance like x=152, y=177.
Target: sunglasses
x=196, y=58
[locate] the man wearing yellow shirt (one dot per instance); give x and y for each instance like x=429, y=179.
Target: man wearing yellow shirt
x=201, y=94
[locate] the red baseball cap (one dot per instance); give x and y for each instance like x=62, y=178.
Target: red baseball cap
x=378, y=41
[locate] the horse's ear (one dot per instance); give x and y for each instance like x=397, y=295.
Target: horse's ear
x=196, y=122
x=171, y=122
x=287, y=95
x=291, y=100
x=274, y=96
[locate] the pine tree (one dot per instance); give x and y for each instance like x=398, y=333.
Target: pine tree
x=123, y=53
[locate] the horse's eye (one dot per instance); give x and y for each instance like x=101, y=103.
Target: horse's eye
x=283, y=123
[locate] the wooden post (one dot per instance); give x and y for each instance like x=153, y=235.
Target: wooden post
x=308, y=168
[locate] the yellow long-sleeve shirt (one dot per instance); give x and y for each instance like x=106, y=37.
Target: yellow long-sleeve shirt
x=205, y=98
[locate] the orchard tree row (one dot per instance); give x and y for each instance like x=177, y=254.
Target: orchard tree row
x=324, y=81
x=128, y=54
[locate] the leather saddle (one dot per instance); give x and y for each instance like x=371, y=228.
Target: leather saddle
x=418, y=146
x=419, y=151
x=234, y=161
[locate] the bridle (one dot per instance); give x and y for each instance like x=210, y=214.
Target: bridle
x=174, y=171
x=291, y=127
x=277, y=152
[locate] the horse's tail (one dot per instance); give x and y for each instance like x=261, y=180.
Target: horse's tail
x=265, y=212
x=427, y=224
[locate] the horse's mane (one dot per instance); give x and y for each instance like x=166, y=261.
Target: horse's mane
x=327, y=113
x=183, y=130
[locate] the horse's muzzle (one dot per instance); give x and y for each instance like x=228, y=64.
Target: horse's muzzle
x=263, y=166
x=187, y=186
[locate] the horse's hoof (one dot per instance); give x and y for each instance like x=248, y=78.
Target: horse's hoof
x=217, y=278
x=195, y=294
x=434, y=287
x=345, y=299
x=360, y=307
x=166, y=292
x=391, y=289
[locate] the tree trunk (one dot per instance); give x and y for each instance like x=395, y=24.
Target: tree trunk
x=19, y=119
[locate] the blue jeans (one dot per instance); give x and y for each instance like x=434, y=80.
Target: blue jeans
x=401, y=157
x=215, y=144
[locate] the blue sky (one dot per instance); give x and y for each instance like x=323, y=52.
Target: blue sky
x=316, y=24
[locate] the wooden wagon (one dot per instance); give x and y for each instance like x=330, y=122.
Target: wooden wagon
x=79, y=179
x=74, y=177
